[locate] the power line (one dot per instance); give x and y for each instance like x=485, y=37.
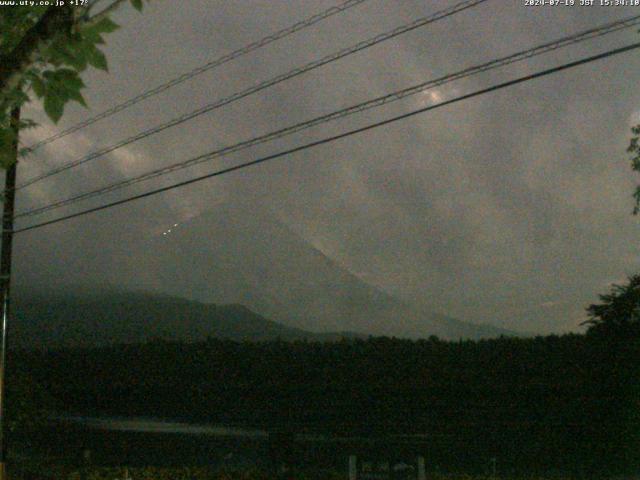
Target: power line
x=262, y=85
x=201, y=69
x=333, y=138
x=376, y=102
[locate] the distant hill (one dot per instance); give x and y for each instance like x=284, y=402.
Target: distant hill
x=243, y=255
x=84, y=318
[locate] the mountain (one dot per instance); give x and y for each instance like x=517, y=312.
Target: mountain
x=243, y=255
x=89, y=318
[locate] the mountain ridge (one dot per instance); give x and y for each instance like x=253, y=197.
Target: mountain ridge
x=70, y=318
x=243, y=254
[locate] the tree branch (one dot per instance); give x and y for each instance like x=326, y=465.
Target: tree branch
x=13, y=65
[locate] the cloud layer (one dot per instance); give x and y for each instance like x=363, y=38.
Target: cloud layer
x=513, y=208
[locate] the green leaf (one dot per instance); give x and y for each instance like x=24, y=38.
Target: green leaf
x=91, y=36
x=54, y=106
x=63, y=84
x=38, y=86
x=70, y=52
x=137, y=4
x=97, y=59
x=77, y=96
x=15, y=97
x=105, y=25
x=69, y=78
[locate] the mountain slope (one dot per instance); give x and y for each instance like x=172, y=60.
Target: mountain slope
x=240, y=254
x=88, y=318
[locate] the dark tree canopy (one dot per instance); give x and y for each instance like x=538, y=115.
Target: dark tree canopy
x=634, y=150
x=43, y=52
x=619, y=311
x=564, y=404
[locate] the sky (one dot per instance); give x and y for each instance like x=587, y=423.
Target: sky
x=513, y=208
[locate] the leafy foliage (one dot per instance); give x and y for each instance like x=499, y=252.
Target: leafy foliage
x=53, y=75
x=634, y=149
x=619, y=313
x=14, y=23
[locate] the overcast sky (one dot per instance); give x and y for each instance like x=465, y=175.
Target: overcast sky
x=513, y=208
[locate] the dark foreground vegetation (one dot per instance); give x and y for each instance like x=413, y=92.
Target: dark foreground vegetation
x=203, y=473
x=563, y=405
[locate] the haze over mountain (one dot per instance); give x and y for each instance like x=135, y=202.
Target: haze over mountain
x=241, y=254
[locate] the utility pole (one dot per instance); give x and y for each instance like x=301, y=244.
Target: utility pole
x=5, y=278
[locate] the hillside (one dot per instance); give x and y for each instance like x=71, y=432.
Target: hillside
x=243, y=255
x=86, y=318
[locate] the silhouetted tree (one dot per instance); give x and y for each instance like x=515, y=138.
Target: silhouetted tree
x=618, y=314
x=634, y=149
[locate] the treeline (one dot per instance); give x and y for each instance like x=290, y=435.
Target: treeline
x=556, y=403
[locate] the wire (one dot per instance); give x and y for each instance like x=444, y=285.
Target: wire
x=376, y=102
x=201, y=69
x=261, y=86
x=333, y=138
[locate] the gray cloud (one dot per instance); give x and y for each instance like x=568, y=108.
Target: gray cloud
x=512, y=208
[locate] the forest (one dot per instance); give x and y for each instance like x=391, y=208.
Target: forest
x=546, y=404
x=556, y=402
